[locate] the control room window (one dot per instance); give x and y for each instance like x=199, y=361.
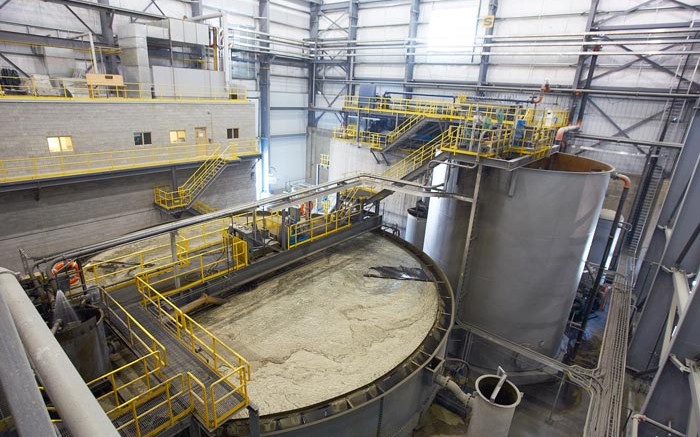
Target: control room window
x=142, y=138
x=60, y=144
x=178, y=136
x=232, y=133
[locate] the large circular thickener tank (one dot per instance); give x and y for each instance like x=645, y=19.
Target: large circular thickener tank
x=533, y=230
x=336, y=350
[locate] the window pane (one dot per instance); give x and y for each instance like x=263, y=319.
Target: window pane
x=229, y=133
x=181, y=136
x=138, y=140
x=66, y=144
x=235, y=133
x=173, y=136
x=54, y=144
x=147, y=138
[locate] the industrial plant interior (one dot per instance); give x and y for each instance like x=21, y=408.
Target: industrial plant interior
x=349, y=218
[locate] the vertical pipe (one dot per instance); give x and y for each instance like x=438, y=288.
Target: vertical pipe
x=470, y=228
x=264, y=85
x=18, y=383
x=74, y=402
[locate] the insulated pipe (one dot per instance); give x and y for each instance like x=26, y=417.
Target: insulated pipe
x=638, y=418
x=73, y=400
x=452, y=387
x=18, y=382
x=627, y=184
x=207, y=16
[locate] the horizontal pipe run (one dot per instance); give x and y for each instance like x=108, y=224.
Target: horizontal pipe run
x=639, y=418
x=18, y=382
x=272, y=202
x=67, y=390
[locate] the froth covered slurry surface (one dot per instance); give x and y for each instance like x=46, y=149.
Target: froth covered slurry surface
x=324, y=329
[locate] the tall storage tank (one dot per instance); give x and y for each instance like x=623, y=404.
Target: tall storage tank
x=533, y=230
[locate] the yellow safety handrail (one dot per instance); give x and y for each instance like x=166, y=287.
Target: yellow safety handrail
x=215, y=262
x=375, y=140
x=417, y=158
x=233, y=370
x=61, y=88
x=167, y=198
x=73, y=164
x=139, y=338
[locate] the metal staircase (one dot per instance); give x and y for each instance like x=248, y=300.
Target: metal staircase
x=415, y=162
x=184, y=196
x=644, y=208
x=380, y=141
x=405, y=131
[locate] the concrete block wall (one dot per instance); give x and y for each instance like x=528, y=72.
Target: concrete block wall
x=236, y=185
x=348, y=158
x=55, y=219
x=106, y=126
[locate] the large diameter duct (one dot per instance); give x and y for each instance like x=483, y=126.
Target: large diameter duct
x=533, y=229
x=74, y=402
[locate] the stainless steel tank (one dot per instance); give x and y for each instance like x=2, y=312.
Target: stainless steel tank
x=415, y=226
x=85, y=343
x=533, y=230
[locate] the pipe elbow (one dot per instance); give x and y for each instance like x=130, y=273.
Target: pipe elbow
x=562, y=131
x=625, y=180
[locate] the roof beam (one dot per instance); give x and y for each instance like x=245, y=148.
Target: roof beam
x=108, y=8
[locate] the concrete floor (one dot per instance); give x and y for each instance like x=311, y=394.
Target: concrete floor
x=323, y=329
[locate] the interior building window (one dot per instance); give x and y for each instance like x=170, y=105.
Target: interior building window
x=142, y=138
x=178, y=136
x=60, y=144
x=232, y=133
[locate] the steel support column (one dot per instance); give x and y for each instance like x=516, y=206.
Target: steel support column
x=411, y=49
x=314, y=10
x=106, y=20
x=353, y=12
x=673, y=395
x=264, y=87
x=677, y=221
x=484, y=58
x=311, y=120
x=579, y=103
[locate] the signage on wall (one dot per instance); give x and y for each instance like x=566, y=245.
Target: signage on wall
x=487, y=22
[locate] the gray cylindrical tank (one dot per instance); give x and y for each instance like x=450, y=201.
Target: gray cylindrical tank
x=446, y=226
x=534, y=226
x=85, y=343
x=492, y=418
x=415, y=226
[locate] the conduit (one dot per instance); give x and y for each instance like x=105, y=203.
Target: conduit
x=73, y=400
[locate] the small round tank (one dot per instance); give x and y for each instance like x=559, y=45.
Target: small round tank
x=85, y=343
x=492, y=418
x=415, y=226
